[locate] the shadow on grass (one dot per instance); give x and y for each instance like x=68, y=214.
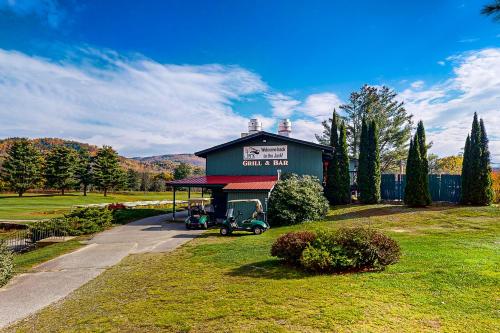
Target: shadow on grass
x=9, y=196
x=370, y=211
x=269, y=269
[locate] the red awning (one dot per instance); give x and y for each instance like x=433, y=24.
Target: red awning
x=267, y=185
x=202, y=181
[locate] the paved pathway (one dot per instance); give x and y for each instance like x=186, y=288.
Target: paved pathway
x=49, y=282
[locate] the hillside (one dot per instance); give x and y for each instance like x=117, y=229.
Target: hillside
x=161, y=163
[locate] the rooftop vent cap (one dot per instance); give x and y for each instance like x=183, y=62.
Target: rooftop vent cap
x=254, y=126
x=285, y=127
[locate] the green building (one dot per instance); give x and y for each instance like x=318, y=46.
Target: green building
x=249, y=167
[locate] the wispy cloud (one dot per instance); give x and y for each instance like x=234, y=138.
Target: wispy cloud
x=138, y=106
x=447, y=107
x=47, y=10
x=283, y=106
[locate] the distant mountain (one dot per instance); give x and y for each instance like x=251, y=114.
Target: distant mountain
x=161, y=163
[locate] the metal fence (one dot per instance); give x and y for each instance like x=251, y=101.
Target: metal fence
x=442, y=187
x=25, y=239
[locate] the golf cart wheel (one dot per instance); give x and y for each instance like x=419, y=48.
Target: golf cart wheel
x=224, y=231
x=258, y=230
x=204, y=226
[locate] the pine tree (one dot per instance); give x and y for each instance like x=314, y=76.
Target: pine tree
x=424, y=167
x=363, y=180
x=133, y=180
x=332, y=171
x=84, y=169
x=465, y=178
x=373, y=164
x=22, y=169
x=344, y=188
x=413, y=194
x=107, y=170
x=61, y=163
x=486, y=194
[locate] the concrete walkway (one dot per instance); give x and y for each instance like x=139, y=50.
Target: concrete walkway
x=27, y=293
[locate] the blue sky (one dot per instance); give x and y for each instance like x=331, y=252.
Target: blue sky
x=153, y=77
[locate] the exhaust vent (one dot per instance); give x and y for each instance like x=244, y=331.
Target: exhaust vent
x=285, y=127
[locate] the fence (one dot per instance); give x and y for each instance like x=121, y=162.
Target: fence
x=441, y=187
x=25, y=239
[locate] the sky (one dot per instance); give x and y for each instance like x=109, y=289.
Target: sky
x=158, y=77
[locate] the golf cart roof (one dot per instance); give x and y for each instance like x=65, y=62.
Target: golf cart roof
x=245, y=200
x=200, y=200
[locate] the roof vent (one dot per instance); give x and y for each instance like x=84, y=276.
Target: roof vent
x=285, y=127
x=254, y=126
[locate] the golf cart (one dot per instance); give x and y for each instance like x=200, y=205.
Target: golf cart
x=255, y=223
x=200, y=213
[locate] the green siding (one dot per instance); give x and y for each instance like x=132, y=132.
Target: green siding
x=302, y=160
x=247, y=208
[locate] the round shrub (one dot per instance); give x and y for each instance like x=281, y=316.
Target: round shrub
x=6, y=263
x=296, y=199
x=317, y=260
x=289, y=246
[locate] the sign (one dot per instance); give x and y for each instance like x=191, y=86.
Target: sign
x=252, y=153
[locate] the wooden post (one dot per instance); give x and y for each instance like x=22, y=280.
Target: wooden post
x=173, y=207
x=202, y=192
x=189, y=192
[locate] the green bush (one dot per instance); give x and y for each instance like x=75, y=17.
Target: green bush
x=347, y=249
x=295, y=200
x=6, y=263
x=290, y=246
x=80, y=221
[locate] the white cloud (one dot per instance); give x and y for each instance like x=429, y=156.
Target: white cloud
x=320, y=106
x=138, y=106
x=447, y=107
x=283, y=106
x=441, y=63
x=305, y=129
x=48, y=10
x=417, y=84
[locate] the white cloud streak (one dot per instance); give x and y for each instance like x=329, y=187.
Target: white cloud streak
x=137, y=106
x=47, y=10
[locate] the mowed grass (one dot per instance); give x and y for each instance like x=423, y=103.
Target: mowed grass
x=43, y=206
x=447, y=281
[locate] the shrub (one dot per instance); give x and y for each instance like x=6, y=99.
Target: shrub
x=290, y=246
x=496, y=185
x=6, y=263
x=346, y=249
x=295, y=200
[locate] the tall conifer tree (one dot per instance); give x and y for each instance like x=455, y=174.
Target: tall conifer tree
x=475, y=159
x=486, y=194
x=61, y=167
x=345, y=178
x=332, y=172
x=107, y=170
x=424, y=167
x=373, y=164
x=466, y=167
x=363, y=163
x=84, y=169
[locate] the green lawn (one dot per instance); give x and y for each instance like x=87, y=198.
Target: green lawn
x=448, y=280
x=42, y=206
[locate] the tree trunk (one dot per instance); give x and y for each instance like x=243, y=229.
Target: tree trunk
x=105, y=191
x=84, y=190
x=62, y=191
x=20, y=194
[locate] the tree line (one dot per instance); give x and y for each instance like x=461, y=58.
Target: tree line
x=64, y=168
x=368, y=142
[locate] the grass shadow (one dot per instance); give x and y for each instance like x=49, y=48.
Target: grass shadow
x=8, y=196
x=269, y=269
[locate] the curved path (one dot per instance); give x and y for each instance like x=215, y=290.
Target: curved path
x=49, y=282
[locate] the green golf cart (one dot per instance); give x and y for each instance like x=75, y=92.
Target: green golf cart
x=234, y=220
x=200, y=213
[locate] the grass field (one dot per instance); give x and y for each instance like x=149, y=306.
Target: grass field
x=42, y=206
x=447, y=280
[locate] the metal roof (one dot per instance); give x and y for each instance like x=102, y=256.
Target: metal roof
x=203, y=153
x=265, y=185
x=202, y=181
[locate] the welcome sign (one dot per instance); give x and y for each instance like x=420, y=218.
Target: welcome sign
x=252, y=153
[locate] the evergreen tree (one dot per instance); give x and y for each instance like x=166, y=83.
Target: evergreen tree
x=332, y=171
x=133, y=180
x=374, y=176
x=363, y=163
x=22, y=169
x=486, y=194
x=84, y=169
x=424, y=167
x=466, y=168
x=474, y=162
x=107, y=170
x=61, y=164
x=344, y=188
x=182, y=171
x=412, y=196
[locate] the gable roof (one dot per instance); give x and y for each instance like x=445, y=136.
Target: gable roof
x=205, y=152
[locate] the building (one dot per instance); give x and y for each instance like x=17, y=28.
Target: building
x=249, y=167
